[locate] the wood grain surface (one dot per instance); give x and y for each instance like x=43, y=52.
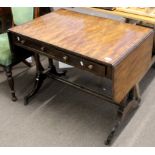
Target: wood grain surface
x=124, y=51
x=132, y=69
x=100, y=39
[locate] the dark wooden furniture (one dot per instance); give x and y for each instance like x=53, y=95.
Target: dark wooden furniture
x=120, y=52
x=5, y=14
x=8, y=59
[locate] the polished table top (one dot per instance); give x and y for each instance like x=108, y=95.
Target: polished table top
x=101, y=39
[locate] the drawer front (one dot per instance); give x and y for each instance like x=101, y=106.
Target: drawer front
x=78, y=62
x=59, y=55
x=26, y=43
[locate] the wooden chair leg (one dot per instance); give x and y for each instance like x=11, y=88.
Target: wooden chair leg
x=27, y=63
x=10, y=82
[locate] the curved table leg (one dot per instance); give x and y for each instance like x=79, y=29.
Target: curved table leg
x=116, y=126
x=37, y=85
x=129, y=104
x=41, y=76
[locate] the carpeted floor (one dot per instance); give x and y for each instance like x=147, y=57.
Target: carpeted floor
x=60, y=115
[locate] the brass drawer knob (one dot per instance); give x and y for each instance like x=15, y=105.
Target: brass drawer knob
x=22, y=41
x=90, y=66
x=65, y=58
x=42, y=48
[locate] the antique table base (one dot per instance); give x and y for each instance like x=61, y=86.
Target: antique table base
x=128, y=105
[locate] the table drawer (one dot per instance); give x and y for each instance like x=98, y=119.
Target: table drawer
x=27, y=43
x=62, y=56
x=78, y=62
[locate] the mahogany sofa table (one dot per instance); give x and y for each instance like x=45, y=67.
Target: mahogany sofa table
x=117, y=51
